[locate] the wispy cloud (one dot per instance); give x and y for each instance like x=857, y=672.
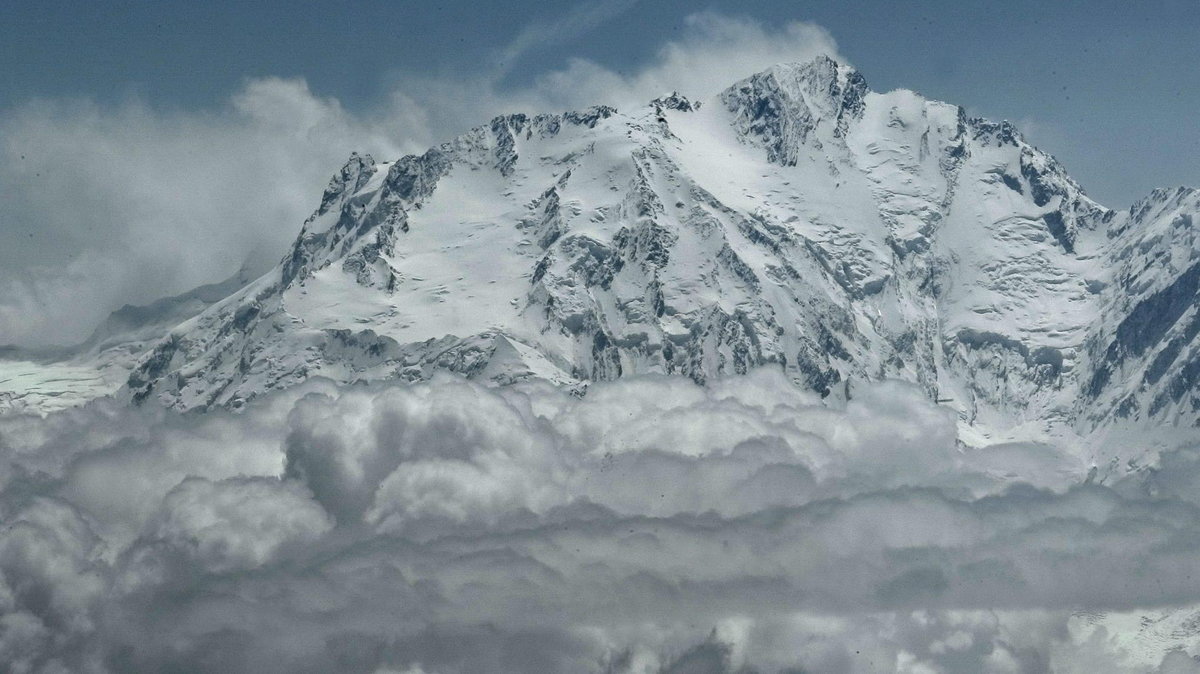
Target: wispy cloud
x=539, y=34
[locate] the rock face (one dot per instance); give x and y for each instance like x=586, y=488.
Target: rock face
x=797, y=220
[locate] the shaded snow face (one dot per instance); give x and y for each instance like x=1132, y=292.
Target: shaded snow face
x=653, y=525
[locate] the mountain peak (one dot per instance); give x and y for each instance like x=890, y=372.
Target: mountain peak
x=786, y=104
x=675, y=101
x=820, y=79
x=820, y=69
x=357, y=170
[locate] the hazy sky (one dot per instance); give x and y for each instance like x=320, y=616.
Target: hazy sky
x=1112, y=88
x=147, y=148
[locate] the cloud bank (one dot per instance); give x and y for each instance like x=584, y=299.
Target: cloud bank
x=107, y=206
x=652, y=526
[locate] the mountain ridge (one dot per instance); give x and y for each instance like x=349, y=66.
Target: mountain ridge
x=795, y=220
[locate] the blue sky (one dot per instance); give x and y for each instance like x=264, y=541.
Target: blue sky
x=1112, y=88
x=149, y=147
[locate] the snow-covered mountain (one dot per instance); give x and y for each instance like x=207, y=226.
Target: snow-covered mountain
x=796, y=220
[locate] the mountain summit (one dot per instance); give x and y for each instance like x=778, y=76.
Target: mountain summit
x=796, y=220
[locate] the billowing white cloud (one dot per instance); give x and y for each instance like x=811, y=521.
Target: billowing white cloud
x=651, y=526
x=237, y=523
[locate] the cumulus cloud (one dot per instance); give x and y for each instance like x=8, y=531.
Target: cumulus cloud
x=237, y=523
x=112, y=205
x=651, y=526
